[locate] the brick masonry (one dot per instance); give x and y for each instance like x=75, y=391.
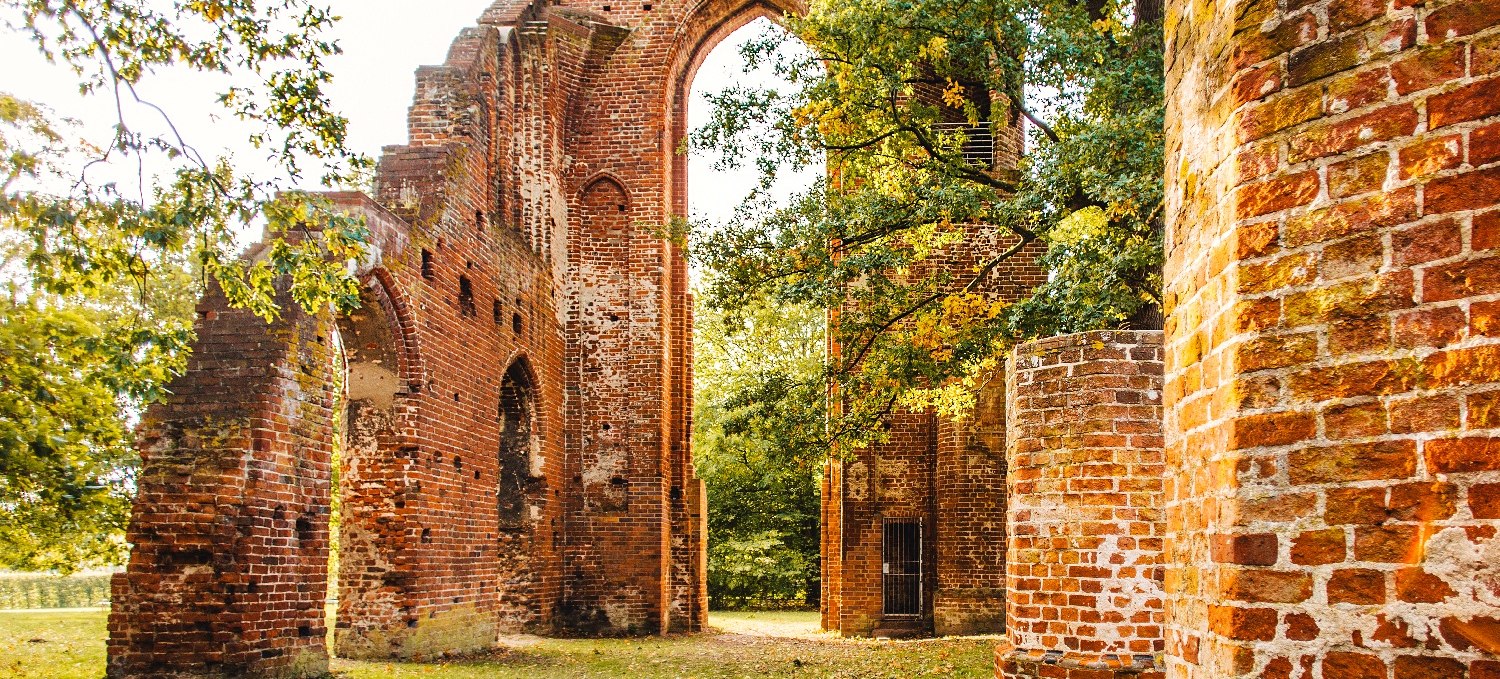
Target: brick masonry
x=1332, y=350
x=237, y=479
x=1084, y=487
x=947, y=475
x=516, y=452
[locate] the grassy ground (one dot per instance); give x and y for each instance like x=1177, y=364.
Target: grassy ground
x=52, y=644
x=71, y=646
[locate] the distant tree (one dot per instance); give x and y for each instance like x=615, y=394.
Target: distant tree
x=100, y=233
x=892, y=99
x=756, y=406
x=72, y=372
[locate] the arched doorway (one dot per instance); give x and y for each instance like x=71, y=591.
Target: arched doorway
x=519, y=442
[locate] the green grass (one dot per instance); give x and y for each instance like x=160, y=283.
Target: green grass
x=780, y=644
x=52, y=644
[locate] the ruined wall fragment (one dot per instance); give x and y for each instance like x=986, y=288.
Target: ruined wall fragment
x=1084, y=567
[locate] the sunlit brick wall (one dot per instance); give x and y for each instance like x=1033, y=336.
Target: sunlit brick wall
x=1332, y=362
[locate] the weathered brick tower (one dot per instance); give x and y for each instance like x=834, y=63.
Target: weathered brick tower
x=515, y=439
x=1320, y=495
x=914, y=528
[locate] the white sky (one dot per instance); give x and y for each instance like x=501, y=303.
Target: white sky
x=384, y=41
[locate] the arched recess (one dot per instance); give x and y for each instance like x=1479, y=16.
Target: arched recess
x=381, y=371
x=606, y=201
x=520, y=459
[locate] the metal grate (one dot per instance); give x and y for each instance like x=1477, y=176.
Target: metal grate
x=979, y=141
x=901, y=567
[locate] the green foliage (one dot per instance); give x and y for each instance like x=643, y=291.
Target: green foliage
x=99, y=235
x=19, y=591
x=72, y=371
x=892, y=95
x=758, y=400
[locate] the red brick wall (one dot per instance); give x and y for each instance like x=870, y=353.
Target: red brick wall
x=229, y=569
x=516, y=251
x=1332, y=356
x=969, y=482
x=1085, y=531
x=948, y=474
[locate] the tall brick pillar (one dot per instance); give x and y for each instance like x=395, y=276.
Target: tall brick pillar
x=1085, y=477
x=1333, y=345
x=229, y=569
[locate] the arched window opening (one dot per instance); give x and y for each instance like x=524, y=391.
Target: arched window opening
x=518, y=443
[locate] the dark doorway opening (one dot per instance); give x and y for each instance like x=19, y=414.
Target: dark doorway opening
x=517, y=426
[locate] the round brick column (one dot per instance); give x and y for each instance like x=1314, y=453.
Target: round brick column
x=1085, y=530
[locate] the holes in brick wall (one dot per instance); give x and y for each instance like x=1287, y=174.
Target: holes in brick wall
x=517, y=323
x=646, y=7
x=476, y=474
x=621, y=207
x=188, y=557
x=617, y=481
x=458, y=463
x=498, y=311
x=304, y=529
x=607, y=8
x=479, y=222
x=457, y=398
x=466, y=297
x=427, y=271
x=304, y=631
x=607, y=426
x=676, y=492
x=426, y=536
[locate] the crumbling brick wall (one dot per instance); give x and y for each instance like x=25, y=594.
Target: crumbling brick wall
x=1084, y=567
x=1332, y=357
x=516, y=452
x=229, y=568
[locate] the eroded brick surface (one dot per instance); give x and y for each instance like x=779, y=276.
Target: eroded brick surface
x=1329, y=354
x=1084, y=487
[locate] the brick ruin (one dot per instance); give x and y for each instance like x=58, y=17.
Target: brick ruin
x=515, y=451
x=1318, y=497
x=1298, y=478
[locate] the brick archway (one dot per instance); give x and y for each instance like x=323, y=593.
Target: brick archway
x=519, y=219
x=711, y=21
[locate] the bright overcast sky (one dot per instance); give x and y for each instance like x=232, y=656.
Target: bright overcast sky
x=384, y=41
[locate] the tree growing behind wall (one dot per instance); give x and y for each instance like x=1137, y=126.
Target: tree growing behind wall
x=895, y=98
x=756, y=405
x=102, y=226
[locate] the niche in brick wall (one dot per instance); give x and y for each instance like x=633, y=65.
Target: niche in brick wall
x=466, y=297
x=519, y=459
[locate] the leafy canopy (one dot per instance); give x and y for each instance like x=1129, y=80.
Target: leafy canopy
x=898, y=98
x=102, y=232
x=757, y=401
